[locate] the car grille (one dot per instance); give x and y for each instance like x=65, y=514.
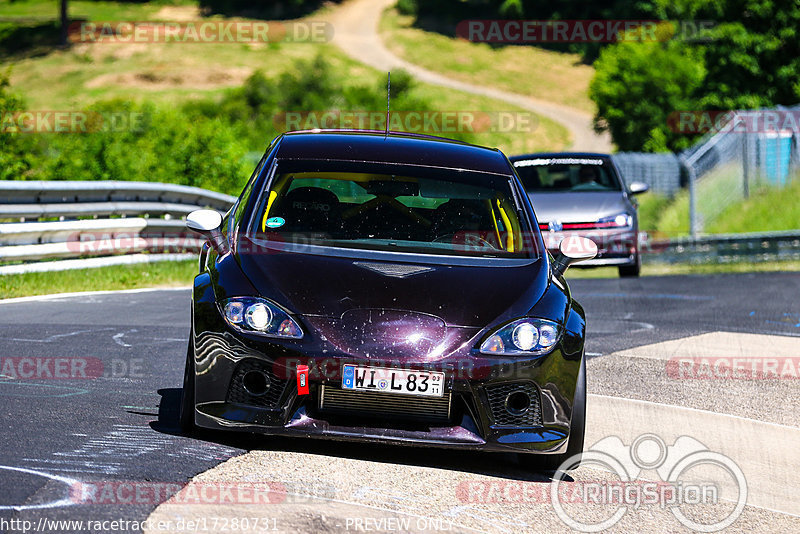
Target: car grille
x=368, y=403
x=238, y=394
x=501, y=416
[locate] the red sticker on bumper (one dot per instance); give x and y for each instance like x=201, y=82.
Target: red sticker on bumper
x=302, y=379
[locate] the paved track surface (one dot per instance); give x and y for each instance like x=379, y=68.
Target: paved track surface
x=355, y=32
x=119, y=425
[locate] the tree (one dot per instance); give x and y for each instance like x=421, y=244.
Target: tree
x=64, y=22
x=636, y=87
x=750, y=58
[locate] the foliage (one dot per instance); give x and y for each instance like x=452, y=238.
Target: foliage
x=748, y=58
x=636, y=87
x=19, y=152
x=264, y=10
x=206, y=143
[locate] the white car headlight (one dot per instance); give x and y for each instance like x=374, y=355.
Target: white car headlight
x=621, y=220
x=527, y=336
x=260, y=316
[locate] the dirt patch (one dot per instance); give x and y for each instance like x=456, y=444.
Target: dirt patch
x=169, y=78
x=178, y=13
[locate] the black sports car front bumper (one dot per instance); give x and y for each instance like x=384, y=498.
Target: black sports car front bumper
x=475, y=412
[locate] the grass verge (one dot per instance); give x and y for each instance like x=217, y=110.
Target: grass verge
x=176, y=274
x=720, y=199
x=173, y=73
x=543, y=74
x=159, y=274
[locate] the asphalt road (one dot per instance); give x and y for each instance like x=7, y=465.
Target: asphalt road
x=118, y=425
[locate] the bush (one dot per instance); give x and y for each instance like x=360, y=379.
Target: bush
x=20, y=153
x=167, y=147
x=637, y=85
x=206, y=143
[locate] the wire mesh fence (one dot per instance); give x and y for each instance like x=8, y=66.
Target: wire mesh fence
x=662, y=172
x=744, y=150
x=750, y=149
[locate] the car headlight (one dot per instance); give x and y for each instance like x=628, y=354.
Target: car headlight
x=260, y=316
x=527, y=336
x=621, y=220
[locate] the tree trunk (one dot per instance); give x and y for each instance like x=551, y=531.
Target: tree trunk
x=64, y=22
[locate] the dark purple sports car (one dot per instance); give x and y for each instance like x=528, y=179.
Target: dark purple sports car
x=390, y=288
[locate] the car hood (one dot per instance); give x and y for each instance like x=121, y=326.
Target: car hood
x=432, y=294
x=577, y=206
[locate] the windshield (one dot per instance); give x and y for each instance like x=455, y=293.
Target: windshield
x=404, y=209
x=567, y=174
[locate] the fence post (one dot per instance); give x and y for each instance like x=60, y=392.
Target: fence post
x=692, y=202
x=745, y=167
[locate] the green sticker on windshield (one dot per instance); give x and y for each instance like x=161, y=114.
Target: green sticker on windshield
x=275, y=222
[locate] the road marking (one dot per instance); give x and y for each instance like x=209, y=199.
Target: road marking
x=53, y=296
x=658, y=296
x=728, y=345
x=56, y=337
x=69, y=482
x=8, y=387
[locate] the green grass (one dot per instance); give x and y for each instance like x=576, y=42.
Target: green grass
x=179, y=274
x=768, y=209
x=723, y=208
x=551, y=76
x=161, y=274
x=82, y=9
x=651, y=207
x=173, y=73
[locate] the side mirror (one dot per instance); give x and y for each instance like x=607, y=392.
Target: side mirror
x=637, y=188
x=572, y=250
x=208, y=223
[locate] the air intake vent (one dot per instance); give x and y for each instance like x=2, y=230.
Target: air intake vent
x=515, y=404
x=367, y=403
x=266, y=393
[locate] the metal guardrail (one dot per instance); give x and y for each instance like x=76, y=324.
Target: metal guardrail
x=150, y=235
x=726, y=248
x=154, y=235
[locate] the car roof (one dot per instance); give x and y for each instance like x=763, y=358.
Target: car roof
x=559, y=155
x=394, y=147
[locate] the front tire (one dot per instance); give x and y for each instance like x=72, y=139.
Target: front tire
x=631, y=271
x=187, y=395
x=577, y=432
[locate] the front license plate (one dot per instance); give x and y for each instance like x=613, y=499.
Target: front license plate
x=387, y=380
